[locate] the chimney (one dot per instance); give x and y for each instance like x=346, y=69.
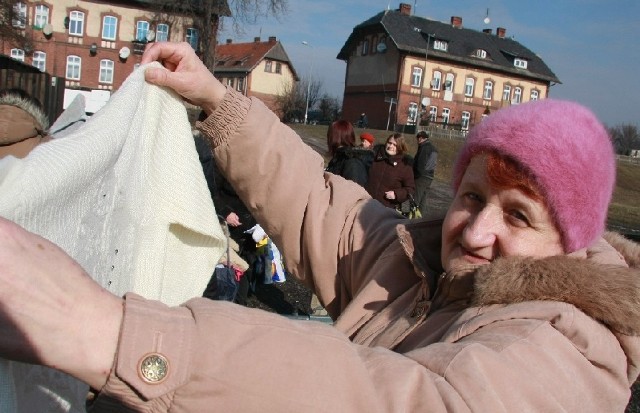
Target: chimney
x=501, y=32
x=486, y=31
x=456, y=22
x=405, y=9
x=229, y=41
x=272, y=39
x=256, y=39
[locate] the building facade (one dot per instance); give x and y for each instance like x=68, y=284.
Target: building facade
x=404, y=70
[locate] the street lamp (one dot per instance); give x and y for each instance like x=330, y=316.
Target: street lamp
x=306, y=106
x=424, y=74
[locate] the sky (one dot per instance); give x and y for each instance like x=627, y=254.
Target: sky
x=593, y=46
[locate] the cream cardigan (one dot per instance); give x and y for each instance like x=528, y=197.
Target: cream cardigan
x=126, y=197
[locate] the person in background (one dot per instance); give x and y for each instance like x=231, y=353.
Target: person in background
x=347, y=160
x=424, y=167
x=391, y=177
x=23, y=123
x=517, y=300
x=363, y=122
x=367, y=140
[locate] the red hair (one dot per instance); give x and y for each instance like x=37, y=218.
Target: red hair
x=505, y=173
x=340, y=133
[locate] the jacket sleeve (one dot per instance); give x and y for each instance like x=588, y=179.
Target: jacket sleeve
x=228, y=358
x=356, y=171
x=319, y=221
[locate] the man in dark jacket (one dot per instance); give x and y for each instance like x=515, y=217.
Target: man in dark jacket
x=424, y=167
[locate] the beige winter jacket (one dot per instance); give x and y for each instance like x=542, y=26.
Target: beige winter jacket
x=519, y=335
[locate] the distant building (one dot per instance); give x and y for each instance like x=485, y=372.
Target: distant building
x=404, y=69
x=260, y=68
x=94, y=45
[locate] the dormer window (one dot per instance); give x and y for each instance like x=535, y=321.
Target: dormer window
x=480, y=53
x=520, y=63
x=440, y=45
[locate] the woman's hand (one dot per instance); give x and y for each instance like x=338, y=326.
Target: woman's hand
x=185, y=74
x=390, y=195
x=51, y=312
x=233, y=219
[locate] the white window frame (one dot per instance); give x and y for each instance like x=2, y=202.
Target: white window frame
x=506, y=93
x=73, y=67
x=192, y=37
x=433, y=113
x=240, y=84
x=39, y=60
x=535, y=95
x=106, y=71
x=162, y=32
x=17, y=54
x=412, y=111
x=469, y=84
x=76, y=23
x=517, y=96
x=416, y=76
x=449, y=82
x=20, y=10
x=436, y=80
x=481, y=54
x=520, y=63
x=365, y=47
x=446, y=115
x=142, y=28
x=268, y=65
x=230, y=82
x=109, y=23
x=41, y=17
x=278, y=67
x=440, y=45
x=487, y=93
x=464, y=120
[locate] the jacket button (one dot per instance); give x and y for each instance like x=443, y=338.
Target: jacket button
x=153, y=368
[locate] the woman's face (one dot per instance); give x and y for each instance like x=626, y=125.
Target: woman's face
x=390, y=146
x=484, y=223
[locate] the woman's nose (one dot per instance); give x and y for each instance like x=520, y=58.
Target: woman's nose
x=482, y=228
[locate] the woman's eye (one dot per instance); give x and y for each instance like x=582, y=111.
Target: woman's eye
x=519, y=218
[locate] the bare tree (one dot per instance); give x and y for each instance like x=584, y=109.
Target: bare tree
x=329, y=107
x=11, y=25
x=625, y=138
x=291, y=101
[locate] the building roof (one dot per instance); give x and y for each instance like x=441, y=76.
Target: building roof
x=409, y=34
x=244, y=57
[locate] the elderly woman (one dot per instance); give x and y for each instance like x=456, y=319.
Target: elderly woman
x=391, y=175
x=23, y=123
x=513, y=302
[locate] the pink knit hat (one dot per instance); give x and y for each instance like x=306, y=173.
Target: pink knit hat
x=566, y=150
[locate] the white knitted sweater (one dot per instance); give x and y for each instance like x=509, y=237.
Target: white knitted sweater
x=126, y=197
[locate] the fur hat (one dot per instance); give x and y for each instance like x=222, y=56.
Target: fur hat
x=568, y=153
x=21, y=117
x=367, y=137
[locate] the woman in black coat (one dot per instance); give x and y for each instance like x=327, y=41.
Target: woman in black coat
x=391, y=175
x=347, y=160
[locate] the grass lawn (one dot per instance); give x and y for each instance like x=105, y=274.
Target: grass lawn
x=624, y=210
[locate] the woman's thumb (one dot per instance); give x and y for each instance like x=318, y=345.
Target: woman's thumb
x=156, y=76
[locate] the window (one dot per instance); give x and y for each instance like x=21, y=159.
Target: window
x=521, y=63
x=413, y=113
x=482, y=54
x=440, y=45
x=488, y=90
x=433, y=113
x=435, y=82
x=445, y=115
x=365, y=47
x=465, y=120
x=278, y=67
x=73, y=67
x=40, y=60
x=109, y=27
x=468, y=86
x=106, y=71
x=192, y=37
x=41, y=17
x=162, y=32
x=20, y=19
x=142, y=28
x=506, y=93
x=448, y=84
x=17, y=54
x=534, y=95
x=416, y=76
x=517, y=96
x=76, y=23
x=230, y=82
x=267, y=66
x=240, y=84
